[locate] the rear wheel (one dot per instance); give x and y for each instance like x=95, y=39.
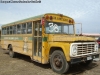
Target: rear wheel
x=11, y=53
x=58, y=62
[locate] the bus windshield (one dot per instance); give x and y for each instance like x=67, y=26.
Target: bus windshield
x=59, y=28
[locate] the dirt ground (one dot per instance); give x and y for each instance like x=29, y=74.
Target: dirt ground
x=22, y=65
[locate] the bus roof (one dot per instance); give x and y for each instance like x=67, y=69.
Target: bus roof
x=29, y=19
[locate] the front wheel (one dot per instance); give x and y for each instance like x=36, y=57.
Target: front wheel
x=58, y=62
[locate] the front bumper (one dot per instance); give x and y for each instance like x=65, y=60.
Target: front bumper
x=84, y=58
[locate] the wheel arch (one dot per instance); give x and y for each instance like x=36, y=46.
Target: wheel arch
x=9, y=46
x=61, y=48
x=52, y=49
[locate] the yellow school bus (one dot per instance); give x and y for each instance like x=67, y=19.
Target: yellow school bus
x=49, y=38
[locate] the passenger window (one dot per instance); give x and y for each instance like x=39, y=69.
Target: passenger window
x=3, y=31
x=7, y=30
x=29, y=27
x=24, y=28
x=10, y=30
x=18, y=29
x=14, y=29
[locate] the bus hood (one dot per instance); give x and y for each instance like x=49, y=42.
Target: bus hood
x=70, y=38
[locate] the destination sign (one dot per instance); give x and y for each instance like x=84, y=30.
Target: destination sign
x=60, y=18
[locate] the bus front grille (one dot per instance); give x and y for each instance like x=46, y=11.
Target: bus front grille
x=83, y=49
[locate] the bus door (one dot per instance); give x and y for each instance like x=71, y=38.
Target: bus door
x=37, y=41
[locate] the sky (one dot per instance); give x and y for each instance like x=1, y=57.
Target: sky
x=86, y=12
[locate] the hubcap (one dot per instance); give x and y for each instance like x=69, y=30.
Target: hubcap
x=57, y=61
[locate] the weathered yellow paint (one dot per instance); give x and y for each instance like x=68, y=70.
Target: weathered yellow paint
x=18, y=45
x=69, y=38
x=61, y=41
x=46, y=49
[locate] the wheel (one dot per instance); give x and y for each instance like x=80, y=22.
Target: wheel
x=11, y=53
x=86, y=63
x=58, y=62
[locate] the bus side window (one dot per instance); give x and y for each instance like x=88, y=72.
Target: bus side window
x=24, y=28
x=14, y=29
x=29, y=27
x=18, y=29
x=10, y=30
x=3, y=31
x=7, y=30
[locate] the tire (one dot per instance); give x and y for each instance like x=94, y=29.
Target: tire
x=11, y=53
x=86, y=63
x=58, y=62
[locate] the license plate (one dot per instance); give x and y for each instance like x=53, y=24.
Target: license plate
x=89, y=58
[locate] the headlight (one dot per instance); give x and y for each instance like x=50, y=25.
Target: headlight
x=74, y=50
x=96, y=47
